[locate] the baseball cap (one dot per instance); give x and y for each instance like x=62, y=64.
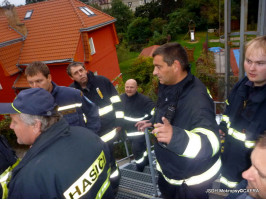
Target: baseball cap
x=33, y=101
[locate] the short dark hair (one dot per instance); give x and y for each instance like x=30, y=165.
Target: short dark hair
x=261, y=142
x=73, y=64
x=171, y=52
x=37, y=67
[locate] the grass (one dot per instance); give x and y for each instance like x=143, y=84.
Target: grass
x=127, y=58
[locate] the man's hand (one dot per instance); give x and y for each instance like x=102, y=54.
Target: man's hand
x=141, y=125
x=222, y=134
x=164, y=131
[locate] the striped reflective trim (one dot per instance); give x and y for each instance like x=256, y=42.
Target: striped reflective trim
x=194, y=145
x=237, y=135
x=15, y=108
x=132, y=134
x=145, y=154
x=225, y=118
x=228, y=183
x=250, y=144
x=5, y=178
x=70, y=106
x=226, y=101
x=119, y=114
x=152, y=111
x=105, y=110
x=115, y=99
x=84, y=118
x=115, y=173
x=212, y=138
x=105, y=186
x=87, y=180
x=135, y=119
x=209, y=93
x=194, y=180
x=109, y=136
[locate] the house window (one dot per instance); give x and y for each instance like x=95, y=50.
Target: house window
x=1, y=87
x=129, y=4
x=28, y=14
x=87, y=11
x=92, y=46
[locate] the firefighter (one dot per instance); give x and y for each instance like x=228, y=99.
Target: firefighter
x=76, y=109
x=101, y=91
x=244, y=118
x=8, y=160
x=187, y=148
x=64, y=161
x=136, y=107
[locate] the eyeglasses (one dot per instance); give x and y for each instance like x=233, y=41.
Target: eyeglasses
x=256, y=63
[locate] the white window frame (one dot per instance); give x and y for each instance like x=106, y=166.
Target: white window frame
x=28, y=14
x=87, y=11
x=92, y=47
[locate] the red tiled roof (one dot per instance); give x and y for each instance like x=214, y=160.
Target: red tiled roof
x=21, y=82
x=7, y=33
x=54, y=29
x=149, y=51
x=9, y=56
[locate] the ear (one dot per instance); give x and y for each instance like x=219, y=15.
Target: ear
x=49, y=77
x=37, y=127
x=176, y=65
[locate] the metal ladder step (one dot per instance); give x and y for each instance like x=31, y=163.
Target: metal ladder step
x=138, y=188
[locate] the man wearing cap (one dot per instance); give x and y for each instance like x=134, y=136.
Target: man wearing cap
x=77, y=109
x=64, y=161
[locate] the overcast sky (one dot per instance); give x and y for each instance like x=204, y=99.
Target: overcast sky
x=15, y=2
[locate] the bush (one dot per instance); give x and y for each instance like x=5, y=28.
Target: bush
x=141, y=70
x=7, y=132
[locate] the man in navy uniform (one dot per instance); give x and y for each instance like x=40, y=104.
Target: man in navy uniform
x=63, y=161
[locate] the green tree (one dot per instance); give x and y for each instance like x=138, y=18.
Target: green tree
x=122, y=13
x=149, y=10
x=139, y=31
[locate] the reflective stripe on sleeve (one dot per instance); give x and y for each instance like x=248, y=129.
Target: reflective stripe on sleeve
x=5, y=179
x=135, y=119
x=109, y=136
x=228, y=183
x=212, y=138
x=194, y=145
x=90, y=177
x=105, y=110
x=119, y=114
x=145, y=154
x=194, y=180
x=115, y=99
x=70, y=106
x=242, y=137
x=132, y=134
x=104, y=187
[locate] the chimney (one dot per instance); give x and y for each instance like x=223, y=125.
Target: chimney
x=13, y=20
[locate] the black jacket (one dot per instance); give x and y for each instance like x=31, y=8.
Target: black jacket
x=194, y=147
x=79, y=106
x=7, y=159
x=246, y=111
x=108, y=91
x=136, y=108
x=64, y=161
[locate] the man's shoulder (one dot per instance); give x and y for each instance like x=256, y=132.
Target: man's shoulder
x=69, y=90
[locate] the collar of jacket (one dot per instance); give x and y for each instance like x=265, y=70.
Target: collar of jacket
x=45, y=139
x=131, y=97
x=177, y=88
x=258, y=93
x=54, y=90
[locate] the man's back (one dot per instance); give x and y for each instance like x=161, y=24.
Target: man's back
x=64, y=162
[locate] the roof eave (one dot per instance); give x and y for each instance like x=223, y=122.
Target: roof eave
x=7, y=43
x=97, y=26
x=67, y=60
